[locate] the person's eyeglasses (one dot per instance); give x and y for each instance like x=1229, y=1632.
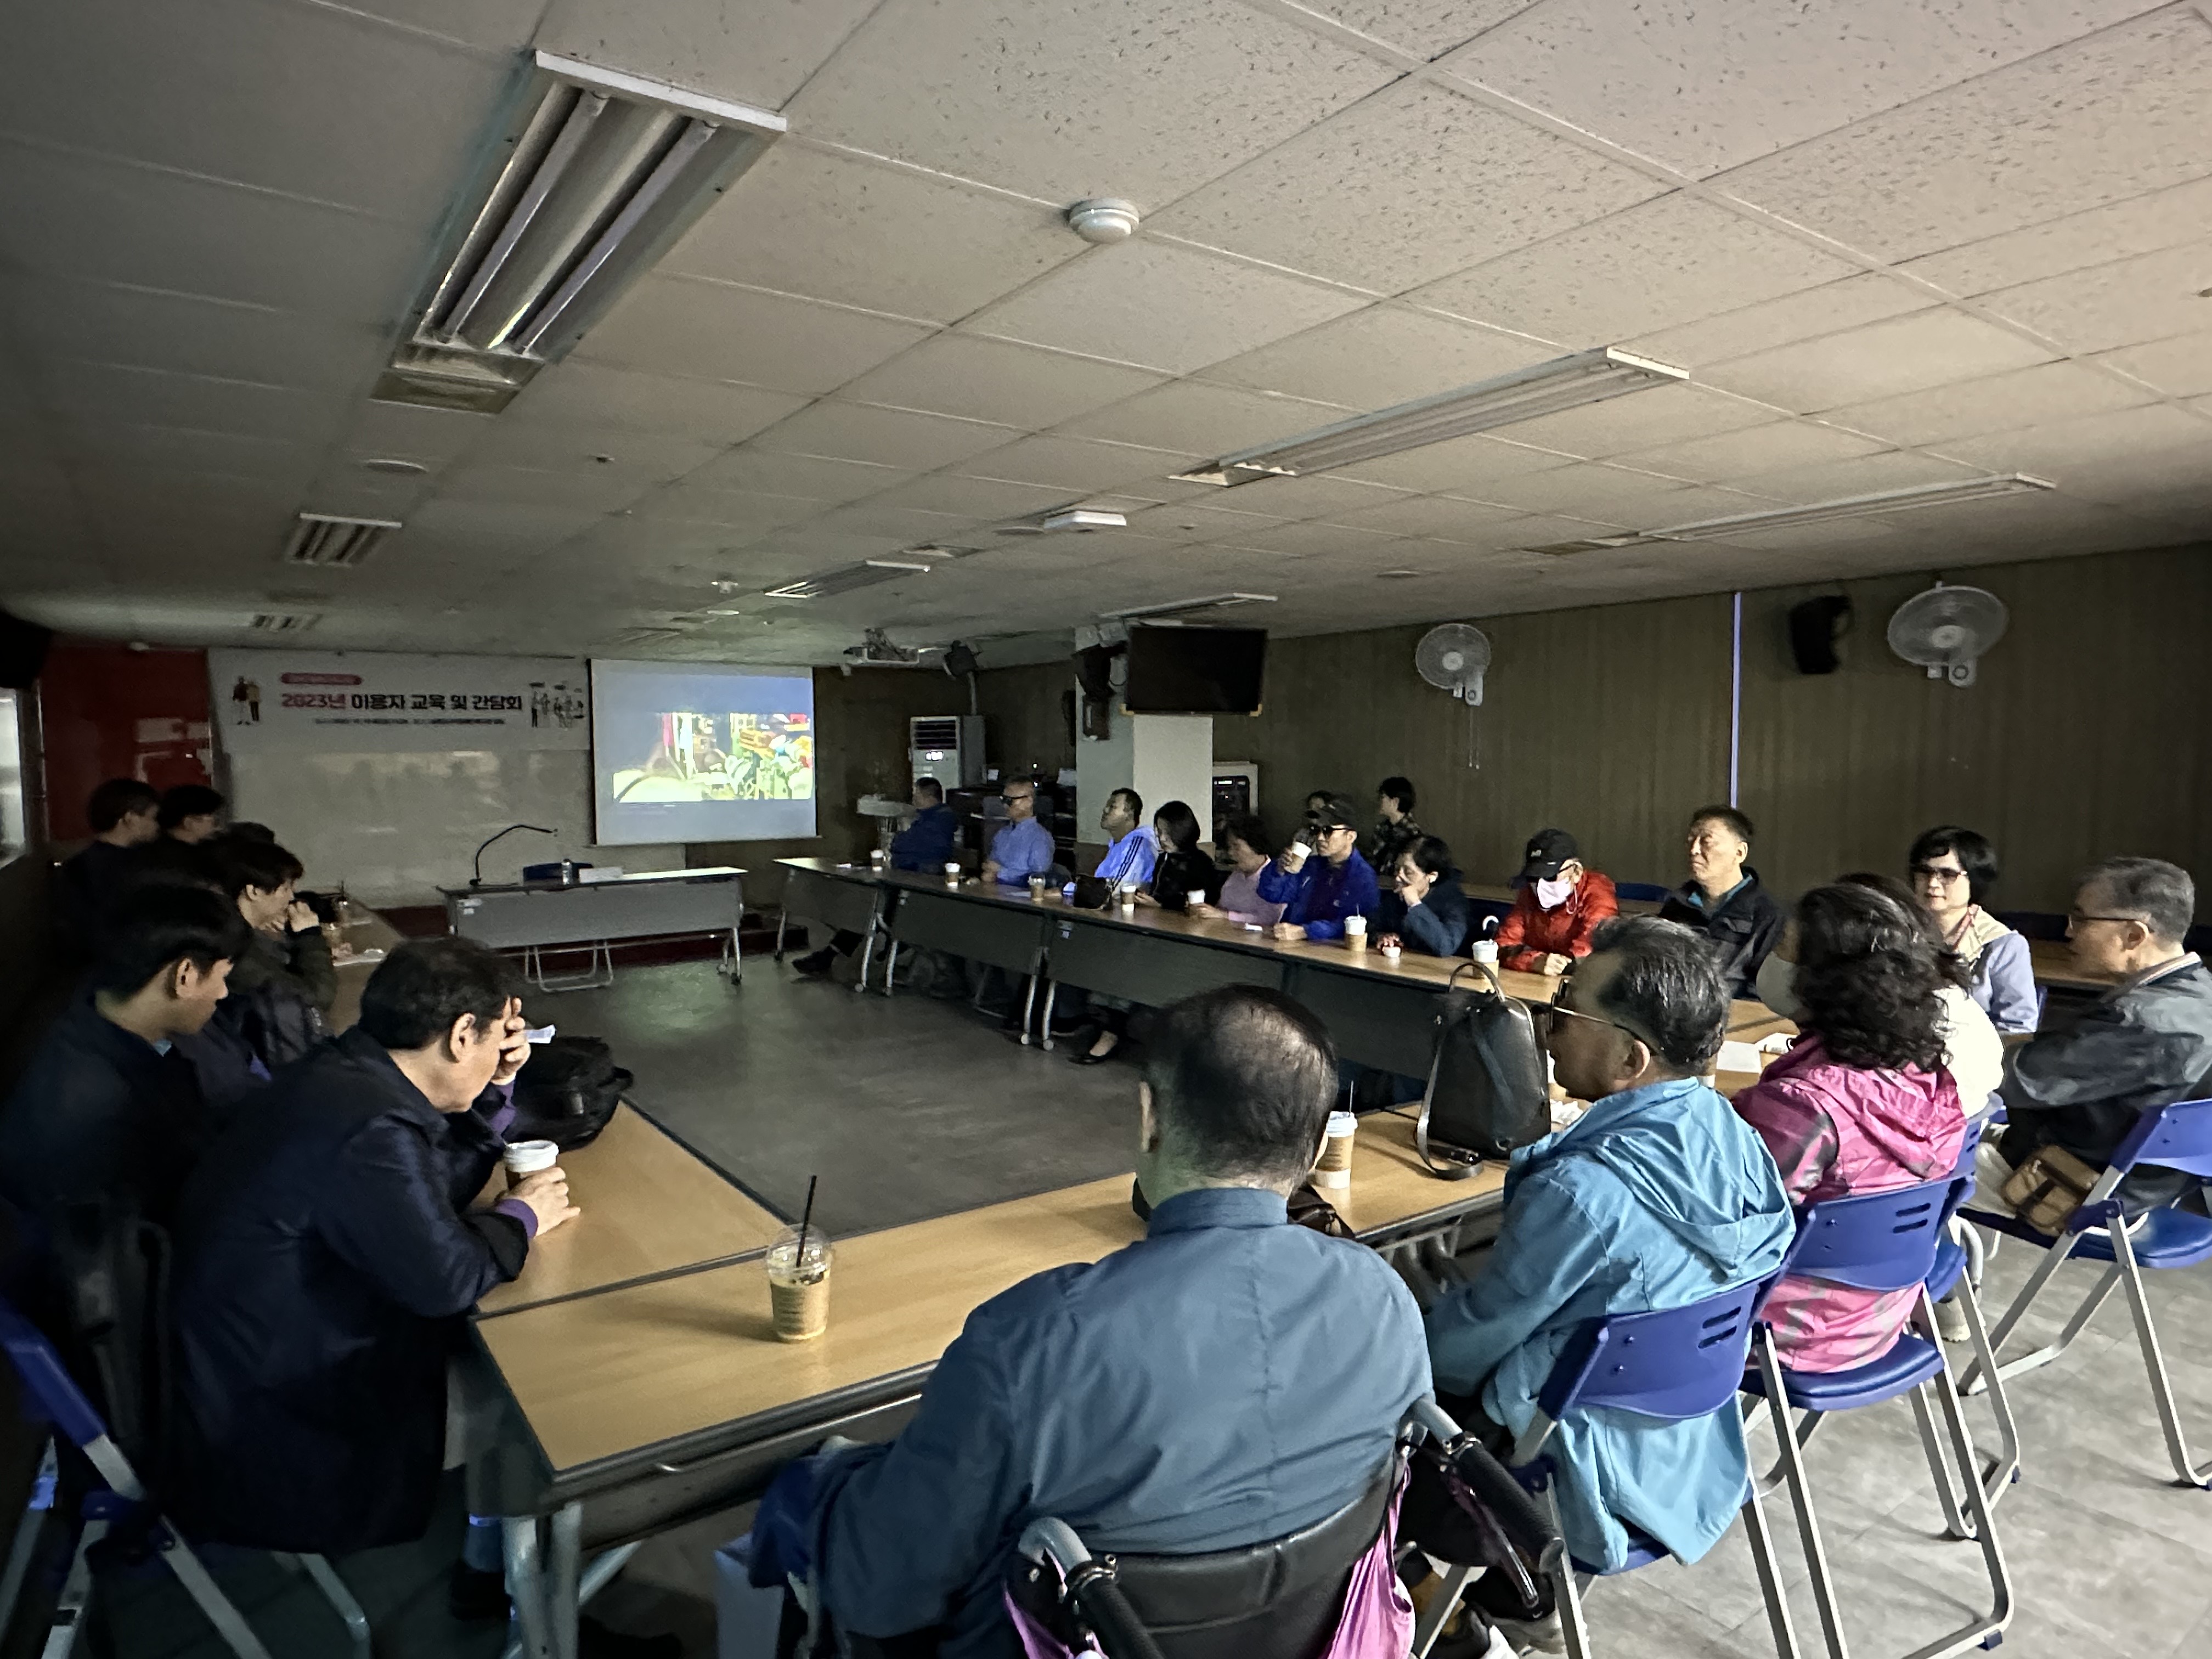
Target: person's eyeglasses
x=1014, y=800
x=1547, y=1016
x=2076, y=918
x=1930, y=873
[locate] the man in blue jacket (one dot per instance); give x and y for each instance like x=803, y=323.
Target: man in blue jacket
x=1318, y=889
x=1657, y=1196
x=1227, y=1380
x=929, y=842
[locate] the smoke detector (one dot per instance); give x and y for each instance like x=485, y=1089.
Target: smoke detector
x=1107, y=219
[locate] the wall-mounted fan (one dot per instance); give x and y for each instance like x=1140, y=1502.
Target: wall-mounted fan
x=1454, y=657
x=1948, y=630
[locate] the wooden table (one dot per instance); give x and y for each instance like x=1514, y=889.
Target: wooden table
x=2055, y=965
x=650, y=1208
x=364, y=929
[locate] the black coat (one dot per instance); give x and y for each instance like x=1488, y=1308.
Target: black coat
x=326, y=1259
x=1746, y=927
x=87, y=884
x=1179, y=874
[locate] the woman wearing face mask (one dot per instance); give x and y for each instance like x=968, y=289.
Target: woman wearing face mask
x=1248, y=847
x=1952, y=872
x=1560, y=904
x=1426, y=909
x=1862, y=1103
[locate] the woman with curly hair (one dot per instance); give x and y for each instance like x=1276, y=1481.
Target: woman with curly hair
x=1862, y=1103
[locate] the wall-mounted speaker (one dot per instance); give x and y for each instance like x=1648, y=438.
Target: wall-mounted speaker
x=1815, y=626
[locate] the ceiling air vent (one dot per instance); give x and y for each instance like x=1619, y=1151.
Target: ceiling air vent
x=849, y=578
x=324, y=538
x=284, y=621
x=599, y=173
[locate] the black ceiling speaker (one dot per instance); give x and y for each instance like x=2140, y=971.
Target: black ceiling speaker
x=1094, y=671
x=22, y=651
x=1814, y=628
x=959, y=660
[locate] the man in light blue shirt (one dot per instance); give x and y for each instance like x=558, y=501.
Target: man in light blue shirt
x=1023, y=848
x=1227, y=1380
x=1131, y=852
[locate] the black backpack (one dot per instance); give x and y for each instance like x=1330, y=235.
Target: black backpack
x=1488, y=1087
x=567, y=1092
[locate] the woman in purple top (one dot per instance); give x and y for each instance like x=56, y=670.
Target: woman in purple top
x=1246, y=841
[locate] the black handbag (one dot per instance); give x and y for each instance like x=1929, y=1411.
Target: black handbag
x=566, y=1092
x=1488, y=1088
x=1091, y=893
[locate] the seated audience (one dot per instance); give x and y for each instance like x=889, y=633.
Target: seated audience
x=1318, y=886
x=1321, y=800
x=190, y=813
x=1426, y=908
x=1228, y=1380
x=1657, y=1196
x=99, y=1131
x=1861, y=1103
x=1722, y=899
x=1953, y=870
x=328, y=1252
x=1394, y=829
x=1246, y=844
x=1131, y=851
x=2145, y=1043
x=122, y=813
x=1561, y=904
x=281, y=987
x=929, y=842
x=1181, y=870
x=1973, y=1052
x=1023, y=847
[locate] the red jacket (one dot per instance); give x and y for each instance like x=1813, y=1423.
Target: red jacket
x=1531, y=932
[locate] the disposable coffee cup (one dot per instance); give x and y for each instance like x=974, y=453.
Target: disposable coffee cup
x=1355, y=931
x=528, y=1157
x=799, y=1285
x=1485, y=951
x=1295, y=854
x=1391, y=953
x=1037, y=885
x=951, y=875
x=1335, y=1169
x=876, y=858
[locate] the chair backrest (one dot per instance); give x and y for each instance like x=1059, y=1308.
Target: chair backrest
x=1645, y=892
x=1671, y=1364
x=1281, y=1598
x=2175, y=1136
x=47, y=1380
x=1876, y=1241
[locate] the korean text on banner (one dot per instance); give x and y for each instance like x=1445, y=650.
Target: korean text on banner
x=270, y=702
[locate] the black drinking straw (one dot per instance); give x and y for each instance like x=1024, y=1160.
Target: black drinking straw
x=806, y=1216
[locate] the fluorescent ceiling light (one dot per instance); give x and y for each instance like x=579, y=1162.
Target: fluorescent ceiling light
x=1084, y=518
x=602, y=173
x=327, y=539
x=847, y=578
x=1784, y=518
x=1587, y=377
x=1211, y=602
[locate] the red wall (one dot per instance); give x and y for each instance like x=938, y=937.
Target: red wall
x=107, y=711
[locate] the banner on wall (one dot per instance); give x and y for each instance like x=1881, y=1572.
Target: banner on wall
x=271, y=701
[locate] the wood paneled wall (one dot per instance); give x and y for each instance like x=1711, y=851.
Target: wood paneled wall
x=1025, y=717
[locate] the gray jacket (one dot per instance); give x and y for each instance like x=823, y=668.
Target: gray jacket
x=2140, y=1046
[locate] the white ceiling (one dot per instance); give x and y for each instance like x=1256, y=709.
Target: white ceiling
x=1893, y=242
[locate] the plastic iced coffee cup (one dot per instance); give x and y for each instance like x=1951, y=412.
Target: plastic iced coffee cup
x=528, y=1157
x=1355, y=931
x=1485, y=951
x=799, y=1285
x=1335, y=1169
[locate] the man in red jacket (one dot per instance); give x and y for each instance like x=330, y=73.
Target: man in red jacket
x=1561, y=905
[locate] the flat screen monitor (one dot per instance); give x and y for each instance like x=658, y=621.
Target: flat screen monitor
x=1195, y=671
x=701, y=752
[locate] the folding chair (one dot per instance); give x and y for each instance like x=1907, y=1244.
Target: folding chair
x=1671, y=1365
x=2175, y=1136
x=1880, y=1241
x=122, y=1498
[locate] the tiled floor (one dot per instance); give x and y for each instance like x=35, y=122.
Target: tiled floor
x=2108, y=1557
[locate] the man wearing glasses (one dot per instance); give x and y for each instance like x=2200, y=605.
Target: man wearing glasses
x=1657, y=1197
x=928, y=843
x=2145, y=1043
x=1023, y=848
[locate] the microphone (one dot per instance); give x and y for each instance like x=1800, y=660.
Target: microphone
x=477, y=880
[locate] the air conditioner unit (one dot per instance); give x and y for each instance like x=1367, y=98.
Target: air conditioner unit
x=947, y=747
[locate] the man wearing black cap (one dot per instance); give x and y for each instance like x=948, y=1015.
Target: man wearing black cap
x=1559, y=906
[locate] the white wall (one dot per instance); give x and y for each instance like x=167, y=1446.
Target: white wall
x=1164, y=757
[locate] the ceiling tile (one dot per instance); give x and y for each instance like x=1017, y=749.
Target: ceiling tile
x=1893, y=469
x=1074, y=464
x=1458, y=467
x=430, y=436
x=121, y=447
x=675, y=325
x=1828, y=309
x=1319, y=495
x=2046, y=391
x=1673, y=261
x=1882, y=360
x=1704, y=87
x=998, y=380
x=1152, y=304
x=1620, y=496
x=1302, y=541
x=982, y=499
x=1201, y=420
x=755, y=53
x=1654, y=415
x=1440, y=517
x=504, y=23
x=252, y=409
x=2180, y=367
x=578, y=391
x=599, y=453
x=818, y=477
x=1461, y=183
x=2107, y=117
x=1145, y=102
x=1422, y=28
x=2149, y=297
x=1731, y=455
x=192, y=336
x=1184, y=522
x=900, y=526
x=2142, y=224
x=2062, y=451
x=532, y=486
x=889, y=437
x=809, y=223
x=1379, y=357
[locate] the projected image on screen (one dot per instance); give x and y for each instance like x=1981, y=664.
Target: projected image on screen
x=682, y=752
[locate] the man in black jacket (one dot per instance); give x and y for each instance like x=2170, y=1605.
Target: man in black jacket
x=327, y=1253
x=1722, y=899
x=121, y=815
x=99, y=1131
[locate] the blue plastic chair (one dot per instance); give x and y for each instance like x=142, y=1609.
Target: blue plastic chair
x=54, y=1394
x=1879, y=1242
x=1670, y=1365
x=1644, y=892
x=1958, y=1274
x=2175, y=1136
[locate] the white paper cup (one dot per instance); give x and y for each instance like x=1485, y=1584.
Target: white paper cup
x=1485, y=951
x=1037, y=885
x=1334, y=1167
x=876, y=858
x=951, y=875
x=1391, y=953
x=1195, y=897
x=1355, y=931
x=524, y=1157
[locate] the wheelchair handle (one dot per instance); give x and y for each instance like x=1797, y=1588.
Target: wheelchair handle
x=1090, y=1588
x=1490, y=1480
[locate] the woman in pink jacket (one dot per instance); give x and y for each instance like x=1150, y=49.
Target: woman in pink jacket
x=1860, y=1103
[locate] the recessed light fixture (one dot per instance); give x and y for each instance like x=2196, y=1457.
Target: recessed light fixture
x=1587, y=377
x=1401, y=575
x=1178, y=607
x=1785, y=517
x=393, y=464
x=1082, y=517
x=333, y=541
x=847, y=578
